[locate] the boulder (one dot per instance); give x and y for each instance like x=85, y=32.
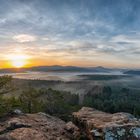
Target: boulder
x=98, y=125
x=17, y=112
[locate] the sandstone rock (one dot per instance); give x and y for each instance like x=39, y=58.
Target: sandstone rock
x=73, y=129
x=104, y=126
x=88, y=124
x=33, y=127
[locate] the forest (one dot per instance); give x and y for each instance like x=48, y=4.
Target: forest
x=62, y=103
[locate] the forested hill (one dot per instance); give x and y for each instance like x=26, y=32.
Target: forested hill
x=134, y=72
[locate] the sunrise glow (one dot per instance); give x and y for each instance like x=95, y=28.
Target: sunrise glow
x=85, y=33
x=18, y=61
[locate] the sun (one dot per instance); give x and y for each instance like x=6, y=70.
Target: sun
x=18, y=61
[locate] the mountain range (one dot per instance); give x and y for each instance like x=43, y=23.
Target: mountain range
x=58, y=68
x=133, y=72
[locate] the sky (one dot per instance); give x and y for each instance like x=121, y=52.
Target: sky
x=70, y=32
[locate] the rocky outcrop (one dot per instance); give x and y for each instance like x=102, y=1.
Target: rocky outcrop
x=97, y=125
x=88, y=124
x=35, y=127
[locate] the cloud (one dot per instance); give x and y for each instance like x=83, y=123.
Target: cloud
x=79, y=29
x=24, y=38
x=126, y=39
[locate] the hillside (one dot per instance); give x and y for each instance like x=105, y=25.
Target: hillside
x=133, y=72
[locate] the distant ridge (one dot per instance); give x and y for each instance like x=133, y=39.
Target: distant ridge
x=57, y=68
x=13, y=70
x=134, y=72
x=70, y=69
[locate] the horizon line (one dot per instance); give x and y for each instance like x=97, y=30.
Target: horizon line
x=71, y=66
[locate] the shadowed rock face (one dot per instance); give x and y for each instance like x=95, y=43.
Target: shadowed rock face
x=97, y=125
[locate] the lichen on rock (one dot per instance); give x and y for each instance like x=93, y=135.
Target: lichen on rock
x=105, y=126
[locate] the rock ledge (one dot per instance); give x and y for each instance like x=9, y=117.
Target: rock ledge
x=87, y=124
x=97, y=125
x=38, y=126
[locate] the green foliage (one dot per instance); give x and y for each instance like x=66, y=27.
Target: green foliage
x=60, y=104
x=28, y=100
x=104, y=77
x=4, y=80
x=5, y=104
x=109, y=101
x=8, y=104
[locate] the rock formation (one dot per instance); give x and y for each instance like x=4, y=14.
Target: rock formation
x=97, y=125
x=88, y=124
x=38, y=126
